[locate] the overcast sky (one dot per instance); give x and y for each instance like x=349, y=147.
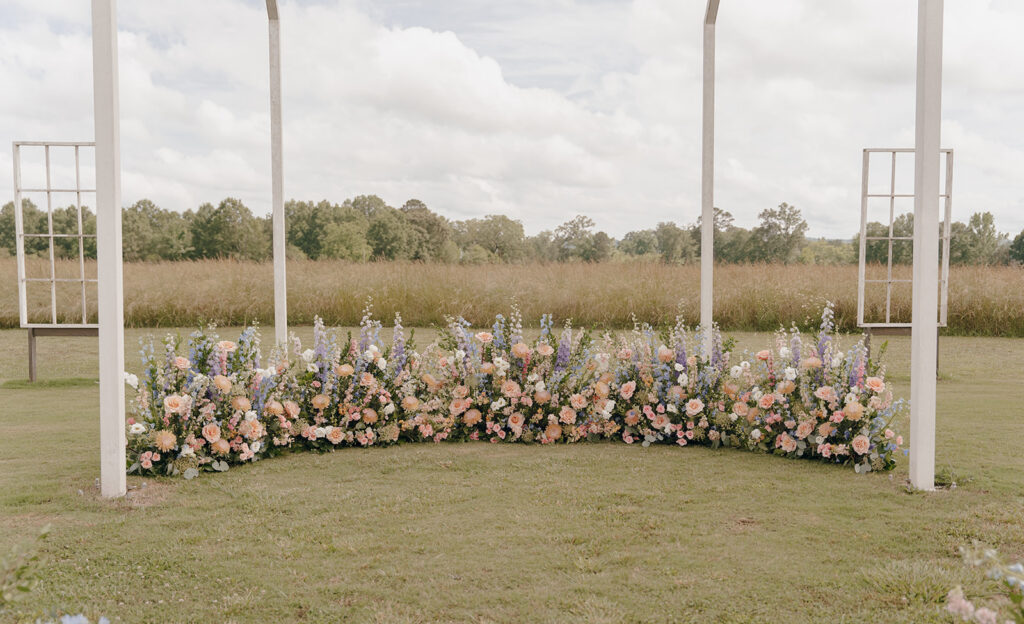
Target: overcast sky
x=539, y=109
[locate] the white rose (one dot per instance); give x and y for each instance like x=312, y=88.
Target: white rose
x=382, y=363
x=756, y=434
x=131, y=380
x=251, y=415
x=309, y=355
x=256, y=446
x=389, y=408
x=609, y=406
x=672, y=408
x=187, y=451
x=733, y=416
x=682, y=380
x=790, y=373
x=679, y=367
x=137, y=428
x=540, y=385
x=785, y=353
x=460, y=354
x=736, y=371
x=532, y=377
x=745, y=365
x=819, y=439
x=321, y=432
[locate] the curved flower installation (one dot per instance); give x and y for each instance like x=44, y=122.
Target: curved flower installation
x=221, y=405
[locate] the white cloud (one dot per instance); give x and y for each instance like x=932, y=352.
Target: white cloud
x=538, y=109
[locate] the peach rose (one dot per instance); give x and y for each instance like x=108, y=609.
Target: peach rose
x=578, y=401
x=627, y=389
x=567, y=415
x=825, y=429
x=545, y=349
x=666, y=355
x=787, y=443
x=335, y=435
x=345, y=370
x=875, y=384
x=553, y=431
x=366, y=380
x=241, y=404
x=785, y=387
x=695, y=406
x=764, y=354
x=677, y=393
x=410, y=403
x=321, y=401
x=460, y=392
x=810, y=362
x=458, y=406
x=223, y=383
x=601, y=389
x=292, y=409
x=804, y=429
x=226, y=346
x=660, y=421
x=861, y=444
x=516, y=421
x=181, y=363
x=485, y=337
x=274, y=407
x=520, y=350
x=854, y=411
x=766, y=401
x=510, y=388
x=177, y=404
x=211, y=432
x=731, y=389
x=487, y=368
x=740, y=409
x=472, y=417
x=369, y=415
x=542, y=396
x=221, y=447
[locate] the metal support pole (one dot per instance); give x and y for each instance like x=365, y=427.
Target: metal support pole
x=108, y=247
x=31, y=355
x=277, y=178
x=924, y=347
x=707, y=179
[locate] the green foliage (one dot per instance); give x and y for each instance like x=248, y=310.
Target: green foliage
x=18, y=571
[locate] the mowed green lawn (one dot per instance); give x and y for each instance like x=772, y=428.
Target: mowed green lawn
x=508, y=533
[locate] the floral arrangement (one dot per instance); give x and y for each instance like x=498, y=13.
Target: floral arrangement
x=204, y=404
x=1010, y=576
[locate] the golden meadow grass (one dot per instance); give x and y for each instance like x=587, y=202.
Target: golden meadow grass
x=982, y=300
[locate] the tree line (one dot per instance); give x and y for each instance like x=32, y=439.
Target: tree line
x=365, y=228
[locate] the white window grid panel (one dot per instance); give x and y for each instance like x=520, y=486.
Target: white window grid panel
x=50, y=235
x=892, y=196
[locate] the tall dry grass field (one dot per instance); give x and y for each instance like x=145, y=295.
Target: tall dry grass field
x=982, y=300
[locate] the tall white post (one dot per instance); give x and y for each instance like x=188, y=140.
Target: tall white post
x=108, y=247
x=926, y=245
x=707, y=179
x=277, y=178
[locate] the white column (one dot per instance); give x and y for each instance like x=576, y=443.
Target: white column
x=707, y=179
x=926, y=245
x=277, y=178
x=108, y=247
